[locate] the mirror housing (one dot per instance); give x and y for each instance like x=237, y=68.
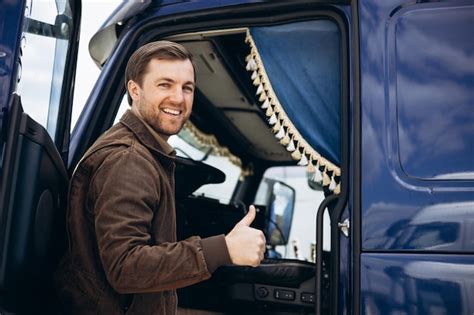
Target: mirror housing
x=279, y=217
x=312, y=184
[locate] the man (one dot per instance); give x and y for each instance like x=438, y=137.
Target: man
x=123, y=255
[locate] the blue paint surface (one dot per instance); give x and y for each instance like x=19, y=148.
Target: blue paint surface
x=398, y=205
x=417, y=183
x=11, y=16
x=417, y=284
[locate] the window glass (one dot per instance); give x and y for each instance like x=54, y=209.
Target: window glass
x=433, y=62
x=223, y=191
x=302, y=236
x=94, y=13
x=122, y=109
x=45, y=38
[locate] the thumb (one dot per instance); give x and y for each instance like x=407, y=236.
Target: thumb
x=249, y=217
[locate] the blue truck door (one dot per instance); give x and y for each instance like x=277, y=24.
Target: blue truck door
x=417, y=151
x=38, y=52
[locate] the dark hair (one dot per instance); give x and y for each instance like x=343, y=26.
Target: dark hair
x=138, y=62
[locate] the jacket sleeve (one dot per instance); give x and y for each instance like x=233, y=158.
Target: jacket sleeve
x=123, y=203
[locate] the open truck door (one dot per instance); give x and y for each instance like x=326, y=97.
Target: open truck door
x=38, y=53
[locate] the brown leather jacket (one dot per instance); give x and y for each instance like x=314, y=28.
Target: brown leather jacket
x=123, y=257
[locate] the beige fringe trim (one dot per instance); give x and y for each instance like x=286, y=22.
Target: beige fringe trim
x=210, y=141
x=284, y=129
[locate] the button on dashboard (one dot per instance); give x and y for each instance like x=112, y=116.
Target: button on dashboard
x=307, y=298
x=262, y=292
x=285, y=295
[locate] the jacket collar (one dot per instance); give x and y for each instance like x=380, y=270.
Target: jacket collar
x=146, y=136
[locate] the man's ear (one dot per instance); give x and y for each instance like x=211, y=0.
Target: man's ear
x=133, y=90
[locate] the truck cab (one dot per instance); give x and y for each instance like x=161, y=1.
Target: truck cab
x=349, y=124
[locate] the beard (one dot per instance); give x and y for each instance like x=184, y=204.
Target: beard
x=163, y=123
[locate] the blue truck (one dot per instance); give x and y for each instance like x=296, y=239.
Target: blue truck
x=370, y=102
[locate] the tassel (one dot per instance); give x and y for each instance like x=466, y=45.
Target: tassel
x=310, y=168
x=276, y=127
x=304, y=160
x=262, y=97
x=247, y=67
x=281, y=133
x=266, y=103
x=269, y=111
x=326, y=179
x=247, y=59
x=291, y=146
x=332, y=185
x=273, y=119
x=254, y=75
x=259, y=89
x=257, y=81
x=318, y=177
x=337, y=190
x=251, y=65
x=285, y=140
x=296, y=155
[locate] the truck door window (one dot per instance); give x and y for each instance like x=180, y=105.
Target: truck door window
x=433, y=92
x=301, y=239
x=223, y=191
x=45, y=39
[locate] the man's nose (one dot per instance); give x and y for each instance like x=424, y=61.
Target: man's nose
x=177, y=95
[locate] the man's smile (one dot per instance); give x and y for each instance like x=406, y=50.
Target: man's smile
x=170, y=111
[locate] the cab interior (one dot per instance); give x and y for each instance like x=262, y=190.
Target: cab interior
x=229, y=137
x=226, y=107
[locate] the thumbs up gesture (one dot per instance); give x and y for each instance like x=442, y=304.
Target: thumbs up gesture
x=246, y=245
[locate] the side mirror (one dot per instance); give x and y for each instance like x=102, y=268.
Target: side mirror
x=280, y=212
x=313, y=184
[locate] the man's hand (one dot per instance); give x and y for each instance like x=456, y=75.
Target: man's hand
x=246, y=245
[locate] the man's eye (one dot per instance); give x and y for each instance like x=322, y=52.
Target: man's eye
x=164, y=85
x=188, y=89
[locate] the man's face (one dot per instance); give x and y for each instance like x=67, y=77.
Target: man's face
x=165, y=99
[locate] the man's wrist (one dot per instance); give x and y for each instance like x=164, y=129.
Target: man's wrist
x=215, y=252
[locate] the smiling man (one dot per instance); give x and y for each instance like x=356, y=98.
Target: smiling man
x=163, y=98
x=123, y=255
